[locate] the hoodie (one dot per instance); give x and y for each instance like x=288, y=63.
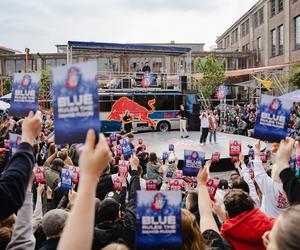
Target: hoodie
x=245, y=230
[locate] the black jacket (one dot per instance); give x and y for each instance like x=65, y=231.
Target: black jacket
x=291, y=185
x=14, y=180
x=104, y=186
x=124, y=230
x=50, y=244
x=183, y=114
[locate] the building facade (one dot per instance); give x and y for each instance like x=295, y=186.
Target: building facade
x=270, y=29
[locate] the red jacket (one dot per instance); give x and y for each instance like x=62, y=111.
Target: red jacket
x=244, y=231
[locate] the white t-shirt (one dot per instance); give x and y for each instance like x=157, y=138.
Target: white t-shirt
x=274, y=201
x=204, y=121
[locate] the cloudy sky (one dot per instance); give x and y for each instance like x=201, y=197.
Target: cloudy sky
x=40, y=24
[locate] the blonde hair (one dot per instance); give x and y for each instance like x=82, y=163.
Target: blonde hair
x=191, y=236
x=6, y=228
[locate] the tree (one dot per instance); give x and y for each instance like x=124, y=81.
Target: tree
x=45, y=83
x=213, y=75
x=6, y=86
x=293, y=76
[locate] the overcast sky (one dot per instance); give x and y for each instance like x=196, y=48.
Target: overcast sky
x=40, y=24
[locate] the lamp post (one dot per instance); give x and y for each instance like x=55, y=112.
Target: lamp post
x=26, y=58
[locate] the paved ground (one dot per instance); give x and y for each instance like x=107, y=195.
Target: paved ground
x=158, y=142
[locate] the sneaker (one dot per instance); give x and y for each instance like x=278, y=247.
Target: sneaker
x=201, y=144
x=187, y=136
x=181, y=137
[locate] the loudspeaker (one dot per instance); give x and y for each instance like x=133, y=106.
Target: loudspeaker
x=183, y=81
x=126, y=83
x=196, y=108
x=194, y=122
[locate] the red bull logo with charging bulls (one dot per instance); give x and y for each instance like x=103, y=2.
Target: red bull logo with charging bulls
x=124, y=104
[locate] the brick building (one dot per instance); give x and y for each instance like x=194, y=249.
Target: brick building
x=270, y=29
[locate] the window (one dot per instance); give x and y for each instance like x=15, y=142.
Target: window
x=246, y=47
x=280, y=5
x=10, y=67
x=280, y=39
x=245, y=28
x=178, y=101
x=164, y=102
x=273, y=7
x=297, y=32
x=261, y=15
x=273, y=42
x=234, y=36
x=20, y=65
x=242, y=63
x=255, y=19
x=258, y=43
x=226, y=42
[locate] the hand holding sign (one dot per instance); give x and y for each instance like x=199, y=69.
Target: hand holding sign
x=284, y=152
x=203, y=175
x=31, y=127
x=94, y=157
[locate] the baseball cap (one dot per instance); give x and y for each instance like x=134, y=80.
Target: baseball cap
x=223, y=184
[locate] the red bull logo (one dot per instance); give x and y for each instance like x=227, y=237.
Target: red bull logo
x=135, y=110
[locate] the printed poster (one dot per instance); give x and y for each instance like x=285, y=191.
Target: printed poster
x=273, y=118
x=24, y=94
x=193, y=162
x=158, y=218
x=14, y=142
x=76, y=102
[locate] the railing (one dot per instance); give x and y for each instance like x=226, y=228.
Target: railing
x=140, y=80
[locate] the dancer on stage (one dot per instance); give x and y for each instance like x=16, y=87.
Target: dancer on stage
x=204, y=127
x=213, y=125
x=183, y=115
x=127, y=120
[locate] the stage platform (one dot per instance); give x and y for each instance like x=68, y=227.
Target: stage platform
x=158, y=142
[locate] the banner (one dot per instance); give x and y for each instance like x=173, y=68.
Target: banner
x=39, y=173
x=75, y=102
x=126, y=148
x=176, y=184
x=117, y=183
x=24, y=94
x=273, y=118
x=151, y=185
x=14, y=142
x=66, y=179
x=75, y=174
x=215, y=157
x=193, y=162
x=123, y=167
x=158, y=219
x=235, y=148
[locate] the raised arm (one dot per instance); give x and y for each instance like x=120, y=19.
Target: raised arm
x=92, y=162
x=207, y=220
x=14, y=180
x=22, y=237
x=291, y=184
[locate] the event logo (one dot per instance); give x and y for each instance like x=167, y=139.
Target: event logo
x=136, y=110
x=25, y=81
x=73, y=78
x=159, y=202
x=275, y=105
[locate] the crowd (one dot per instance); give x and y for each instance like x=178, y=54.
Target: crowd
x=240, y=120
x=255, y=209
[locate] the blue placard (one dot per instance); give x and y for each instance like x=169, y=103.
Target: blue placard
x=24, y=94
x=66, y=179
x=193, y=162
x=273, y=118
x=171, y=147
x=126, y=148
x=76, y=102
x=14, y=142
x=158, y=218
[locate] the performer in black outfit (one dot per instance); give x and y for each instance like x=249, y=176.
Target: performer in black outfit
x=183, y=115
x=127, y=120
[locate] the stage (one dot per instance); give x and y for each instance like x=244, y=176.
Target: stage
x=158, y=142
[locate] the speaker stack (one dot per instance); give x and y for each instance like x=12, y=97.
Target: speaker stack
x=194, y=121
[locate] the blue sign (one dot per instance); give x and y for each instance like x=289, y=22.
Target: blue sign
x=158, y=218
x=193, y=162
x=126, y=148
x=14, y=142
x=76, y=102
x=273, y=118
x=66, y=179
x=25, y=93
